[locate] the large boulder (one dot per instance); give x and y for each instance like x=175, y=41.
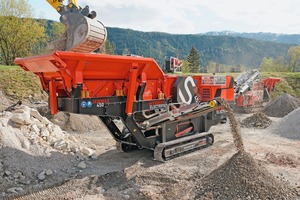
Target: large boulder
x=21, y=116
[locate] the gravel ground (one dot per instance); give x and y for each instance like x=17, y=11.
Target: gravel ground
x=265, y=161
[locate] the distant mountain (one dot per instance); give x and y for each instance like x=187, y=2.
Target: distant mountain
x=272, y=37
x=225, y=48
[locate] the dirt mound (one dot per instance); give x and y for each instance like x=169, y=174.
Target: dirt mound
x=281, y=106
x=85, y=123
x=241, y=177
x=288, y=126
x=73, y=122
x=257, y=120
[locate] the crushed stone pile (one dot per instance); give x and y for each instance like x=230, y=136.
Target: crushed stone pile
x=241, y=177
x=281, y=106
x=288, y=126
x=34, y=151
x=257, y=120
x=26, y=130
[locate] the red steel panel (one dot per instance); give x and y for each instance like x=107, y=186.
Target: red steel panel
x=110, y=75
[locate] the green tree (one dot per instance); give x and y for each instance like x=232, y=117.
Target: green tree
x=274, y=65
x=57, y=29
x=193, y=60
x=40, y=47
x=211, y=67
x=19, y=33
x=107, y=48
x=185, y=66
x=110, y=48
x=266, y=64
x=294, y=55
x=126, y=51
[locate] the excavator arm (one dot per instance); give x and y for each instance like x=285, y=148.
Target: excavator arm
x=83, y=32
x=57, y=4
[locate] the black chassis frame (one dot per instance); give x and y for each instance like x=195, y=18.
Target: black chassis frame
x=110, y=108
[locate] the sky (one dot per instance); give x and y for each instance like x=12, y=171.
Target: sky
x=190, y=16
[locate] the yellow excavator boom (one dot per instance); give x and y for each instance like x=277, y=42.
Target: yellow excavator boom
x=56, y=4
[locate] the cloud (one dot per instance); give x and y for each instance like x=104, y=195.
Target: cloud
x=256, y=12
x=163, y=16
x=194, y=16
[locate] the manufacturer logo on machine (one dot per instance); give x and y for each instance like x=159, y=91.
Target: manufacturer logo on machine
x=188, y=89
x=100, y=103
x=185, y=90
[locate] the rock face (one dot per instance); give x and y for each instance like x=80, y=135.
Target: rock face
x=281, y=106
x=288, y=126
x=242, y=178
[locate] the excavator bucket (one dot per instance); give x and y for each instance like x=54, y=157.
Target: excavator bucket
x=84, y=34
